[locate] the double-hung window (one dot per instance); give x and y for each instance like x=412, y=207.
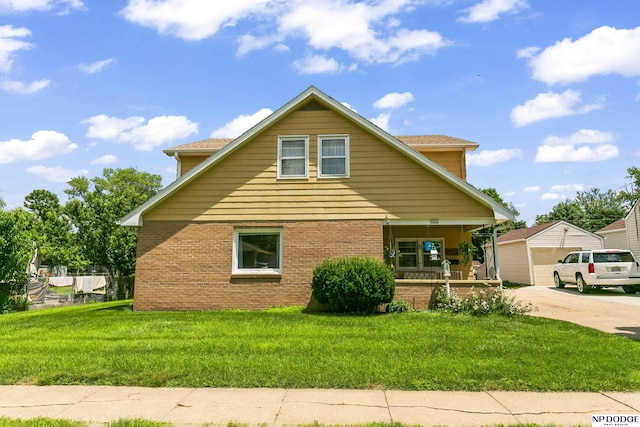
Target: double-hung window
x=257, y=251
x=333, y=156
x=293, y=157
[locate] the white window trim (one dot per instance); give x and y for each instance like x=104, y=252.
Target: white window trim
x=236, y=245
x=321, y=138
x=420, y=253
x=306, y=156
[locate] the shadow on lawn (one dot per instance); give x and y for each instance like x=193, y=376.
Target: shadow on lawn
x=632, y=332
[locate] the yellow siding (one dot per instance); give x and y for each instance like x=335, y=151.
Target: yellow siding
x=453, y=161
x=189, y=162
x=384, y=183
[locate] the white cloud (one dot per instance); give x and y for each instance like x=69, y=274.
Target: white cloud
x=527, y=52
x=367, y=31
x=143, y=137
x=491, y=157
x=564, y=188
x=248, y=43
x=490, y=10
x=240, y=124
x=562, y=191
x=570, y=153
x=42, y=145
x=20, y=88
x=583, y=136
x=550, y=105
x=190, y=19
x=56, y=174
x=316, y=64
x=552, y=196
x=351, y=27
x=346, y=104
x=95, y=67
x=532, y=189
x=575, y=147
x=39, y=5
x=605, y=50
x=10, y=43
x=394, y=100
x=382, y=121
x=107, y=159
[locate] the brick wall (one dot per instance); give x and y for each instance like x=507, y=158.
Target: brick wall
x=187, y=266
x=419, y=295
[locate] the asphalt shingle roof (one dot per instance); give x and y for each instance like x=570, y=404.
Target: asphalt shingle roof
x=524, y=233
x=211, y=145
x=617, y=225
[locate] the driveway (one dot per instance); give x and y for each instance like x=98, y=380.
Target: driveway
x=609, y=310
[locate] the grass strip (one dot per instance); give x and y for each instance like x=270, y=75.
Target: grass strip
x=108, y=344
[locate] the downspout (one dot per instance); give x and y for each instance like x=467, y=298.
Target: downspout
x=178, y=165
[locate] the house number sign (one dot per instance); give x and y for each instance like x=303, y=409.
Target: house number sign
x=434, y=221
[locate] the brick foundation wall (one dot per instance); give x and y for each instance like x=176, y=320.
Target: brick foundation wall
x=418, y=296
x=184, y=265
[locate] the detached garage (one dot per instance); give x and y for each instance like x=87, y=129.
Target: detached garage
x=527, y=255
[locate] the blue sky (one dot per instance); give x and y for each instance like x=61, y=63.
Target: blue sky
x=549, y=89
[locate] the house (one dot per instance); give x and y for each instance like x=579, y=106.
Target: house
x=247, y=220
x=615, y=235
x=624, y=233
x=527, y=255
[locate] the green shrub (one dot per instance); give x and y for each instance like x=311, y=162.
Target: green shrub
x=354, y=285
x=478, y=303
x=11, y=300
x=399, y=306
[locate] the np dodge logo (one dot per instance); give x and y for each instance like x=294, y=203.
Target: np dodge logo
x=624, y=420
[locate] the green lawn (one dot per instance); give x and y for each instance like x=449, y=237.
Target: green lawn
x=109, y=344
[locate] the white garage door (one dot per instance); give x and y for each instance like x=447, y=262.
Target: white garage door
x=543, y=260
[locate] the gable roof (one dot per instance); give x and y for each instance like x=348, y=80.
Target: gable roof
x=134, y=218
x=205, y=146
x=620, y=224
x=527, y=233
x=614, y=226
x=524, y=233
x=437, y=142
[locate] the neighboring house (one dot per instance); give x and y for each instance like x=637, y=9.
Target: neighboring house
x=249, y=219
x=624, y=233
x=615, y=235
x=527, y=255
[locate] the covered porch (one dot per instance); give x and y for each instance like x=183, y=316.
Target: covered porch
x=418, y=250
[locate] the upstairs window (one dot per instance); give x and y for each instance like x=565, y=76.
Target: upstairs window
x=293, y=157
x=333, y=156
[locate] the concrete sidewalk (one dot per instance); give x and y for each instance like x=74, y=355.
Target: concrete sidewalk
x=281, y=407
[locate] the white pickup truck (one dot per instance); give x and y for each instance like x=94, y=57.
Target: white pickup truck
x=597, y=269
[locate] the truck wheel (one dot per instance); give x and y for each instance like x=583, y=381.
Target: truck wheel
x=583, y=288
x=556, y=281
x=629, y=289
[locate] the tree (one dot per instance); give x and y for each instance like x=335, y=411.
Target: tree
x=600, y=208
x=52, y=231
x=590, y=210
x=96, y=205
x=567, y=210
x=15, y=244
x=631, y=193
x=480, y=238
